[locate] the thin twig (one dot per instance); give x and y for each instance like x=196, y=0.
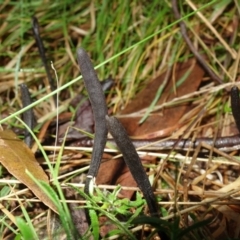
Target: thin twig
x=199, y=57
x=224, y=144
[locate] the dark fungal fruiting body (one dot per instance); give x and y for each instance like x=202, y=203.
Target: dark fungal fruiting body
x=99, y=108
x=133, y=161
x=28, y=116
x=235, y=104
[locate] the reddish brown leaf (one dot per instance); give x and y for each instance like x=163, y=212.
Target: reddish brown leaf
x=126, y=179
x=168, y=118
x=16, y=157
x=108, y=170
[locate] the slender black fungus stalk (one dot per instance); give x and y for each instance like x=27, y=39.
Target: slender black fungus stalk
x=99, y=107
x=134, y=164
x=133, y=161
x=235, y=104
x=28, y=116
x=41, y=49
x=199, y=57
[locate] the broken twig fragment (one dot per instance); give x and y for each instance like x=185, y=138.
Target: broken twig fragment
x=195, y=52
x=224, y=144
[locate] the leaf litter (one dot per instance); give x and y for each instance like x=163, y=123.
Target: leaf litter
x=201, y=190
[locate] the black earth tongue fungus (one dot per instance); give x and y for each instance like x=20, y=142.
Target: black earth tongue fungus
x=133, y=161
x=235, y=104
x=41, y=49
x=99, y=108
x=101, y=118
x=28, y=115
x=134, y=164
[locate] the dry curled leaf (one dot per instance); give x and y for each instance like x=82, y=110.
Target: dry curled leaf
x=16, y=157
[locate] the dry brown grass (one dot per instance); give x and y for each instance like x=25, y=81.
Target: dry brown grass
x=210, y=181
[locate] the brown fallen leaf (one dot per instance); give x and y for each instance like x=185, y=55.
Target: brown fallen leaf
x=16, y=157
x=126, y=179
x=166, y=120
x=107, y=168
